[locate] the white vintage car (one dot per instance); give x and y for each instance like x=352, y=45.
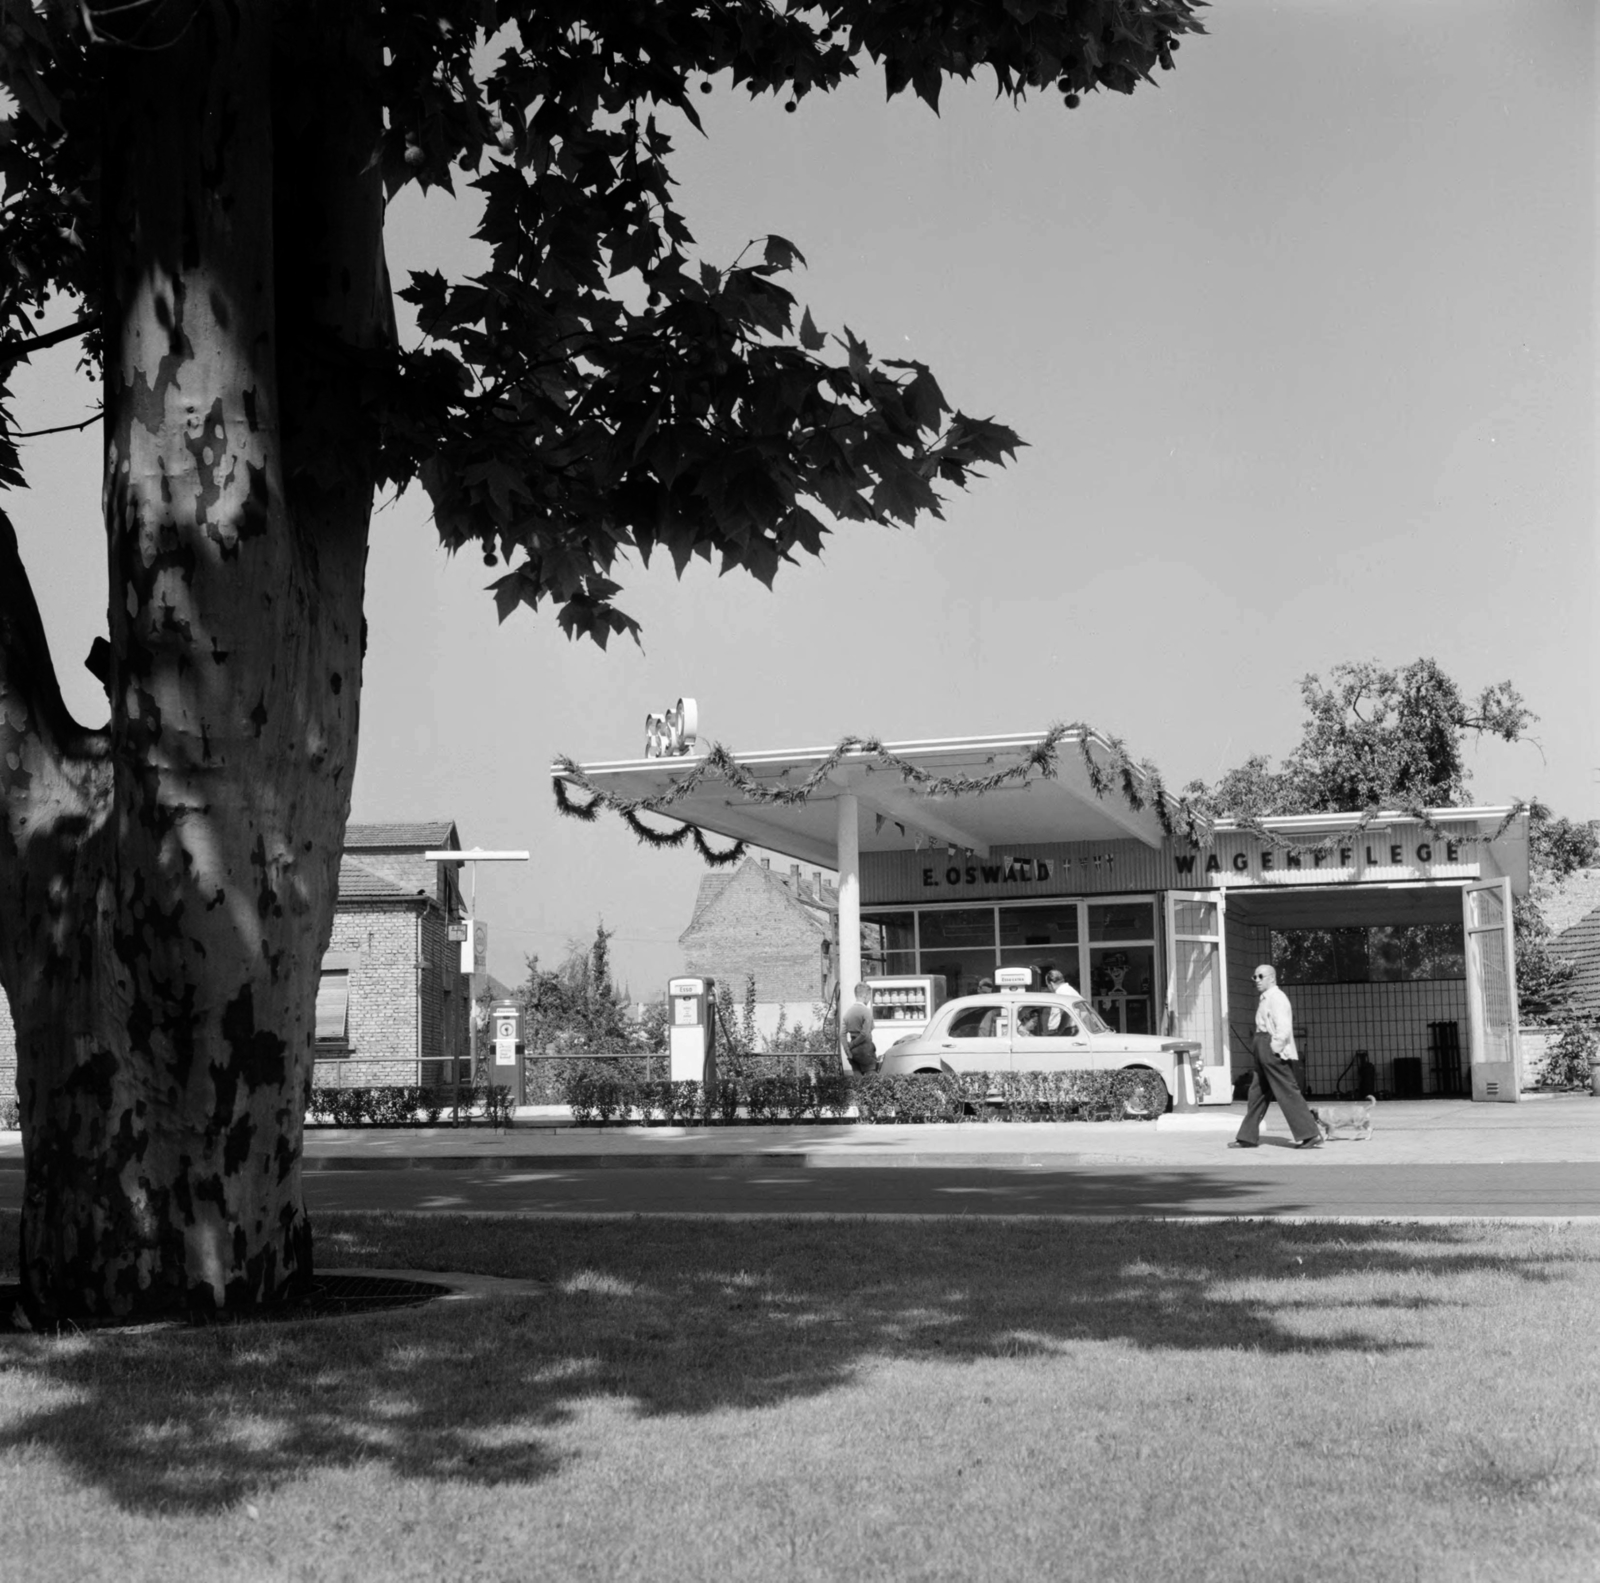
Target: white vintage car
x=1031, y=1031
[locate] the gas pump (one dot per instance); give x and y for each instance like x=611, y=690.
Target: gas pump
x=505, y=1021
x=690, y=1028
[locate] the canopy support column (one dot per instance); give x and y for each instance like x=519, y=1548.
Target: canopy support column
x=849, y=896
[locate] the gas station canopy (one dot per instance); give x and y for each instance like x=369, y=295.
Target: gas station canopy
x=889, y=813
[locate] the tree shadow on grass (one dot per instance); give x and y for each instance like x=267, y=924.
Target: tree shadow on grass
x=686, y=1317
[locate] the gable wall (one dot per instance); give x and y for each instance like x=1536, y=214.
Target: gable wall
x=751, y=928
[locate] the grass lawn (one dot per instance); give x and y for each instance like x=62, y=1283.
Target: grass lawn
x=767, y=1400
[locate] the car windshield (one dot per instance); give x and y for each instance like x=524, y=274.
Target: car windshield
x=1086, y=1014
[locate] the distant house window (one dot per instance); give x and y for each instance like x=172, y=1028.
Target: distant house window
x=333, y=1008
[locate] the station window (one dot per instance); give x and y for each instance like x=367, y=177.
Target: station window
x=1040, y=937
x=959, y=943
x=1122, y=964
x=888, y=944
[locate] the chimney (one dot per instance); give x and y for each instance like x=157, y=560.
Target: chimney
x=794, y=877
x=816, y=882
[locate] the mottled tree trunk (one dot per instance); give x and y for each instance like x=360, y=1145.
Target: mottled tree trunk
x=177, y=873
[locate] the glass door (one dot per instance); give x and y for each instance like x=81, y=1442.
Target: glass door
x=1197, y=984
x=1491, y=989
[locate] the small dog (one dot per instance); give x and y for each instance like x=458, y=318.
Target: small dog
x=1346, y=1121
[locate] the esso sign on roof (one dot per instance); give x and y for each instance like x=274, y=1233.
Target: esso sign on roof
x=671, y=735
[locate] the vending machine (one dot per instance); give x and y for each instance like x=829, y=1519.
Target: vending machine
x=903, y=1005
x=691, y=1018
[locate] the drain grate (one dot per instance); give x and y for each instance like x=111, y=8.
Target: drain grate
x=345, y=1294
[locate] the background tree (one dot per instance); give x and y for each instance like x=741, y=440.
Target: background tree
x=1376, y=737
x=575, y=1008
x=203, y=184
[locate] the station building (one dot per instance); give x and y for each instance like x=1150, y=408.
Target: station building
x=1392, y=933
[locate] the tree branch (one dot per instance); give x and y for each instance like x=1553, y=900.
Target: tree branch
x=14, y=352
x=60, y=428
x=33, y=716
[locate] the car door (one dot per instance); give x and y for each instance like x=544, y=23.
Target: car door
x=976, y=1039
x=1046, y=1037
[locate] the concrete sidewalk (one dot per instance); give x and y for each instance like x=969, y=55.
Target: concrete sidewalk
x=1543, y=1129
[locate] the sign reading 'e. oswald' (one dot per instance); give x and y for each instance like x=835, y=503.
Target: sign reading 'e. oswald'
x=1009, y=871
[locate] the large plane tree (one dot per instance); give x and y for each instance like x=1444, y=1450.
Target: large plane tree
x=197, y=189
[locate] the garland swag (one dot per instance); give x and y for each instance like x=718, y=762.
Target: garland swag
x=1139, y=782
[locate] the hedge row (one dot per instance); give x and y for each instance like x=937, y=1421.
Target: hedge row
x=598, y=1096
x=405, y=1107
x=545, y=1078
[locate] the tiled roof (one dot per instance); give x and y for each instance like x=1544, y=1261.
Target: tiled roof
x=425, y=835
x=357, y=882
x=1572, y=899
x=1581, y=945
x=711, y=887
x=815, y=910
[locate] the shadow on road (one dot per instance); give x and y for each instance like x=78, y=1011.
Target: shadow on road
x=687, y=1317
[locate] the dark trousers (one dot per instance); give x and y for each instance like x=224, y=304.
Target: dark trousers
x=1276, y=1079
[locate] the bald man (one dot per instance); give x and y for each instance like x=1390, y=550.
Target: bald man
x=1277, y=1066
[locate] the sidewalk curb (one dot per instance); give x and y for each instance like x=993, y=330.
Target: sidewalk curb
x=790, y=1160
x=793, y=1160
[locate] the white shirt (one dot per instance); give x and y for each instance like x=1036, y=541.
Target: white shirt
x=1274, y=1017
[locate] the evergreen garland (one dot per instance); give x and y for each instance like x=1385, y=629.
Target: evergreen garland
x=1139, y=782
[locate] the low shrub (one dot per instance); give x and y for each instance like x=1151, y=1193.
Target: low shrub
x=1566, y=1062
x=761, y=1098
x=797, y=1097
x=832, y=1090
x=789, y=1096
x=10, y=1115
x=1011, y=1096
x=722, y=1100
x=681, y=1101
x=402, y=1106
x=602, y=1096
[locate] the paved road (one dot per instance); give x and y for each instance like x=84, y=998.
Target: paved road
x=1293, y=1185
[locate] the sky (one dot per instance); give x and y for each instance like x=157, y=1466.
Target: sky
x=1302, y=345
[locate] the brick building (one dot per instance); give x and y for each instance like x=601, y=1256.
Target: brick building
x=393, y=1006
x=777, y=929
x=392, y=1003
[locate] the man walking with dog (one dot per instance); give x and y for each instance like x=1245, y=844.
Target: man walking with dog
x=1277, y=1068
